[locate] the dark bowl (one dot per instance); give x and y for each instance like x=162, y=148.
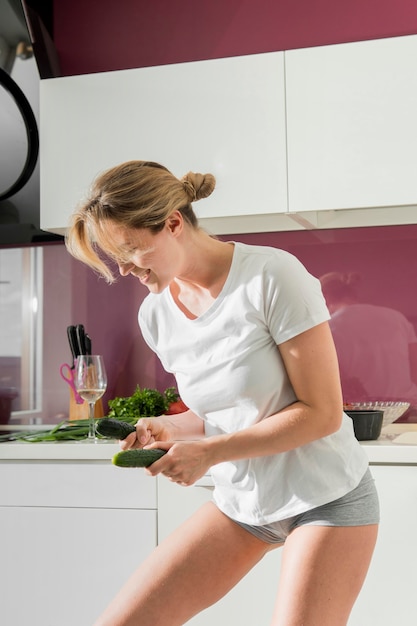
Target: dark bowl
x=367, y=425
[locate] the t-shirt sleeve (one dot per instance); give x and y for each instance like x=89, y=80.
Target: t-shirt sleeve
x=294, y=301
x=143, y=321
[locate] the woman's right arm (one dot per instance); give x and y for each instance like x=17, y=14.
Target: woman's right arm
x=178, y=427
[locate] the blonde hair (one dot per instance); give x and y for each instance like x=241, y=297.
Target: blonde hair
x=135, y=194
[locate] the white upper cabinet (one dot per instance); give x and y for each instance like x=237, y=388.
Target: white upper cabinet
x=320, y=137
x=223, y=116
x=352, y=129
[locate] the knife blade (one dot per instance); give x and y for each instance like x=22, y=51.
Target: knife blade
x=80, y=333
x=87, y=344
x=73, y=343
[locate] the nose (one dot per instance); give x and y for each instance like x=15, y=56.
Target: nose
x=124, y=268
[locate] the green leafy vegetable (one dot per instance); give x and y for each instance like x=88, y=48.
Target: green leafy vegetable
x=68, y=430
x=142, y=403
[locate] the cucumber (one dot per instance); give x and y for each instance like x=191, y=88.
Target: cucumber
x=137, y=457
x=115, y=429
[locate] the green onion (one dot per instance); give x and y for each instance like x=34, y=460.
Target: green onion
x=142, y=403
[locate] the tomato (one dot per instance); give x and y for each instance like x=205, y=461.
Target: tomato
x=176, y=407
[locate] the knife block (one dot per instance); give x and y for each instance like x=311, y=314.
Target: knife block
x=80, y=411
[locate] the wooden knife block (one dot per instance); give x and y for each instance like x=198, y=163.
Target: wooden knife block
x=80, y=411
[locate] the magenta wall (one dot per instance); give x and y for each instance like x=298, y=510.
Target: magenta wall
x=385, y=259
x=73, y=294
x=101, y=35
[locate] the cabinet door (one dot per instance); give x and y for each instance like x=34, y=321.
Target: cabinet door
x=352, y=125
x=223, y=116
x=61, y=567
x=74, y=484
x=388, y=595
x=252, y=600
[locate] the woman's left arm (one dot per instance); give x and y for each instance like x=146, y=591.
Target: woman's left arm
x=311, y=363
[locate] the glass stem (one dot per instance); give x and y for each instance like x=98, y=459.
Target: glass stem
x=91, y=425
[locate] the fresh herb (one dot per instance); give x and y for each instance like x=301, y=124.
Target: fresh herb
x=142, y=403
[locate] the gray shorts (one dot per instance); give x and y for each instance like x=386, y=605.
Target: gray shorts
x=359, y=507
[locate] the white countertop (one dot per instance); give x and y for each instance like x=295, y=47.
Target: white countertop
x=69, y=451
x=397, y=445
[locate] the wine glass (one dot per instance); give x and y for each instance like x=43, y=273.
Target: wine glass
x=91, y=382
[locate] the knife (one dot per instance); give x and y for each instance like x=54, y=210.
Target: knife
x=80, y=334
x=72, y=339
x=87, y=344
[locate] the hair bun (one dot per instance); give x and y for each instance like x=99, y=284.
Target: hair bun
x=198, y=186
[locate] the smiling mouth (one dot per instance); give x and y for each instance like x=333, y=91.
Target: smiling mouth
x=143, y=276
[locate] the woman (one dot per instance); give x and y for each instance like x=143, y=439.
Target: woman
x=245, y=331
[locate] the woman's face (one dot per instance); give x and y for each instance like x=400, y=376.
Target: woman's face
x=150, y=257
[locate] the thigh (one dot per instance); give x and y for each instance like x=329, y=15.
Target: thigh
x=323, y=570
x=190, y=570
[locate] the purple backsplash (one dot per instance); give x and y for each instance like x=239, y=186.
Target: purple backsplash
x=384, y=258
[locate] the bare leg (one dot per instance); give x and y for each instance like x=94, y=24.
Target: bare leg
x=193, y=568
x=323, y=570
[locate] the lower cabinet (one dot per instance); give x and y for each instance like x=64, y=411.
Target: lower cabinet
x=73, y=532
x=388, y=595
x=68, y=544
x=61, y=567
x=251, y=602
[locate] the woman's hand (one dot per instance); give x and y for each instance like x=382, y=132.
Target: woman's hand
x=149, y=430
x=184, y=463
x=182, y=435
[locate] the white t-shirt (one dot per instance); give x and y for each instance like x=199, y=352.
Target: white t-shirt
x=229, y=372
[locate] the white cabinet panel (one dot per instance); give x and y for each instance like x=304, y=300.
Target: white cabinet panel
x=61, y=567
x=224, y=116
x=72, y=533
x=77, y=484
x=388, y=595
x=352, y=125
x=252, y=600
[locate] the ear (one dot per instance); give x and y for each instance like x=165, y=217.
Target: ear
x=175, y=223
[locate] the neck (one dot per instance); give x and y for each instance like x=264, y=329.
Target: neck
x=200, y=284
